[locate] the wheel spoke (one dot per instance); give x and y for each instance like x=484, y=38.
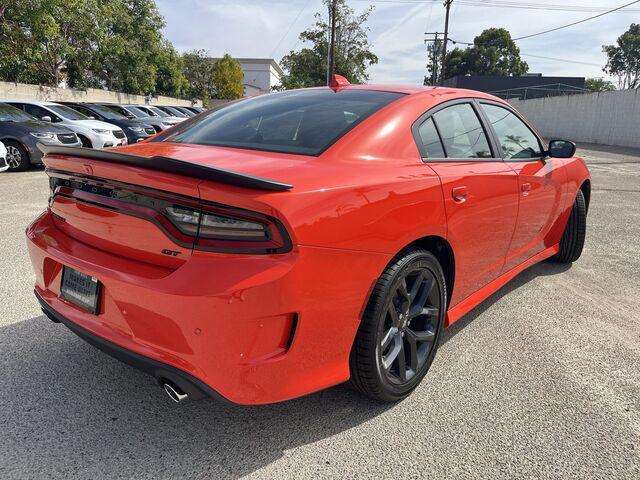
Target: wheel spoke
x=389, y=358
x=423, y=293
x=402, y=363
x=388, y=337
x=413, y=353
x=429, y=312
x=402, y=289
x=421, y=336
x=417, y=283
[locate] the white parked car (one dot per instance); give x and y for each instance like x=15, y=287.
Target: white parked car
x=92, y=133
x=3, y=158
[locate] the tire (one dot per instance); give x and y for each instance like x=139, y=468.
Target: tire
x=574, y=233
x=384, y=339
x=17, y=156
x=86, y=143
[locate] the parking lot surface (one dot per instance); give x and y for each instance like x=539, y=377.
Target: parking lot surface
x=540, y=381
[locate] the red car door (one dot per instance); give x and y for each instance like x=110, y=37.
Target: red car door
x=540, y=182
x=480, y=192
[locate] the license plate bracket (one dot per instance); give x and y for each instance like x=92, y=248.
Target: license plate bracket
x=81, y=289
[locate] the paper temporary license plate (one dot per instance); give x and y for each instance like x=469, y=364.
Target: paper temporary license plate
x=81, y=289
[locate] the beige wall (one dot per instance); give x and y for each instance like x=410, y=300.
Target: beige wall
x=607, y=118
x=22, y=91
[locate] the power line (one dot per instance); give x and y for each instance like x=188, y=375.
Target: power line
x=290, y=27
x=563, y=26
x=561, y=60
x=508, y=4
x=565, y=60
x=578, y=22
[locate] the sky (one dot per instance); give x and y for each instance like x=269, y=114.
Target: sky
x=270, y=28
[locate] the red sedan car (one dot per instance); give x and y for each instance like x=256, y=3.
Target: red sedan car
x=286, y=243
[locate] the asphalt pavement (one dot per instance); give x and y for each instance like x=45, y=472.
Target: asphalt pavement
x=542, y=380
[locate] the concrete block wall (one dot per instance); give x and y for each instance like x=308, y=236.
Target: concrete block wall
x=607, y=118
x=22, y=91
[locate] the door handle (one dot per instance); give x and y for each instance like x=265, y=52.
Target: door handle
x=525, y=188
x=459, y=194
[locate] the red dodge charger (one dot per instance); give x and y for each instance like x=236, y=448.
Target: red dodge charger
x=286, y=243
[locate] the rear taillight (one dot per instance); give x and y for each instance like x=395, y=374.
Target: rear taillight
x=225, y=229
x=211, y=227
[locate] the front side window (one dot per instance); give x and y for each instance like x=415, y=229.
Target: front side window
x=40, y=112
x=462, y=133
x=302, y=122
x=516, y=139
x=13, y=114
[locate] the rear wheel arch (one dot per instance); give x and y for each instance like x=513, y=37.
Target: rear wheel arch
x=443, y=252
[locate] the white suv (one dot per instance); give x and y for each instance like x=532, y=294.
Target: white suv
x=92, y=133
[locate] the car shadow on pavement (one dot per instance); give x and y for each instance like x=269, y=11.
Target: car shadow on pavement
x=68, y=410
x=538, y=270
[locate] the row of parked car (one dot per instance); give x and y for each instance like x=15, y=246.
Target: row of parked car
x=24, y=124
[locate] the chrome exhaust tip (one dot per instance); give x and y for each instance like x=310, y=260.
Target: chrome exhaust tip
x=175, y=393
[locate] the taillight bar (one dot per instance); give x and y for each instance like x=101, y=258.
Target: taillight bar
x=187, y=221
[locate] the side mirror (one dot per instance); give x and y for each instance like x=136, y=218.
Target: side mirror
x=91, y=117
x=561, y=149
x=46, y=118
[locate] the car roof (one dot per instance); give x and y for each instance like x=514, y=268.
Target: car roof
x=418, y=90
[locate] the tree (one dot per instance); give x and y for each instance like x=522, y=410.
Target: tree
x=624, y=58
x=308, y=67
x=43, y=38
x=115, y=44
x=198, y=72
x=493, y=53
x=434, y=52
x=599, y=85
x=227, y=78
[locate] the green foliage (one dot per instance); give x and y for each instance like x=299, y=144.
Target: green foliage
x=434, y=51
x=198, y=72
x=308, y=67
x=599, y=85
x=115, y=44
x=227, y=78
x=493, y=53
x=624, y=58
x=43, y=38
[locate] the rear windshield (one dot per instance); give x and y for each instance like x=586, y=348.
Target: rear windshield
x=298, y=121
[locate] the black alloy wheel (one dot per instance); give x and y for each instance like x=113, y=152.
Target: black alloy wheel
x=398, y=336
x=410, y=325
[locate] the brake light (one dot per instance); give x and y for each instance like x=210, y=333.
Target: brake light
x=187, y=221
x=228, y=230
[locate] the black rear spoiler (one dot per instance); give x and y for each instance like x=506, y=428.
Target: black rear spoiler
x=170, y=165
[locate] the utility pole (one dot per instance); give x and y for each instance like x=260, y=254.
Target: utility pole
x=434, y=55
x=447, y=5
x=332, y=46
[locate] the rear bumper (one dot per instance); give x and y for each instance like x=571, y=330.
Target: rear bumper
x=256, y=329
x=161, y=371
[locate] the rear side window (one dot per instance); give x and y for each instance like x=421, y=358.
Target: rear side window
x=462, y=133
x=516, y=139
x=300, y=121
x=431, y=144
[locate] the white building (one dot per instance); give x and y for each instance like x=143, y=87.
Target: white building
x=260, y=74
